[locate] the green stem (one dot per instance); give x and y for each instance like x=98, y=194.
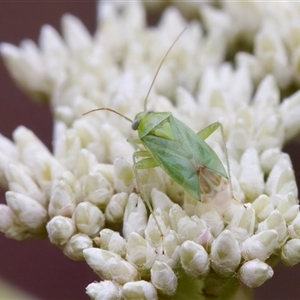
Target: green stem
x=211, y=287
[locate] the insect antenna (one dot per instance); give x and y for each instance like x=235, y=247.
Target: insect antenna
x=111, y=110
x=161, y=63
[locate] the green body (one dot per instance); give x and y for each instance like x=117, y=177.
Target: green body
x=177, y=149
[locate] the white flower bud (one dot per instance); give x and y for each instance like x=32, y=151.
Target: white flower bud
x=18, y=232
x=123, y=175
x=139, y=290
x=27, y=68
x=75, y=34
x=104, y=290
x=269, y=158
x=110, y=266
x=225, y=254
x=270, y=133
x=266, y=99
x=290, y=252
x=288, y=206
x=170, y=249
x=75, y=246
x=34, y=154
x=4, y=161
x=60, y=229
x=46, y=169
x=107, y=170
x=115, y=209
x=281, y=179
x=275, y=221
x=88, y=218
x=59, y=125
x=251, y=177
x=28, y=143
x=7, y=147
x=66, y=148
x=251, y=63
x=86, y=131
x=70, y=179
x=84, y=162
x=254, y=273
x=239, y=136
x=111, y=135
x=271, y=52
x=163, y=278
x=22, y=183
x=260, y=245
x=152, y=178
x=112, y=241
x=7, y=217
x=31, y=214
x=241, y=221
x=187, y=103
x=55, y=53
x=97, y=189
x=187, y=228
x=295, y=59
x=135, y=216
x=140, y=253
x=62, y=201
x=176, y=213
x=157, y=227
x=213, y=221
x=294, y=228
x=160, y=200
x=8, y=153
x=194, y=259
x=290, y=109
x=263, y=207
x=9, y=225
x=209, y=52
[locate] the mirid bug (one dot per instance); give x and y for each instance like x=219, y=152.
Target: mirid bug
x=178, y=150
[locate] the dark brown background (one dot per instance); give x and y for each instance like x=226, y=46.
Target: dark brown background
x=36, y=265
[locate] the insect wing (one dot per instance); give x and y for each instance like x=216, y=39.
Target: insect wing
x=197, y=149
x=173, y=159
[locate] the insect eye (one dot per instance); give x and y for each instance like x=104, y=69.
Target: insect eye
x=135, y=124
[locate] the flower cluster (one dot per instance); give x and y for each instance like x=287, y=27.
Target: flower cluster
x=85, y=193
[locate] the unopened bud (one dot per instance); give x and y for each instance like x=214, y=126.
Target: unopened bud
x=225, y=254
x=254, y=273
x=60, y=229
x=75, y=246
x=112, y=241
x=139, y=290
x=88, y=218
x=194, y=259
x=163, y=278
x=104, y=290
x=260, y=245
x=290, y=252
x=110, y=266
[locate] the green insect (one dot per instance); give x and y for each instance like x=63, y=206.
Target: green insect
x=179, y=151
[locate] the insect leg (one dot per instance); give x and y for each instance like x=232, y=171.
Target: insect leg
x=137, y=165
x=135, y=142
x=208, y=130
x=145, y=163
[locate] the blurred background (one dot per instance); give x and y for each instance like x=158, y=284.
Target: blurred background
x=36, y=266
